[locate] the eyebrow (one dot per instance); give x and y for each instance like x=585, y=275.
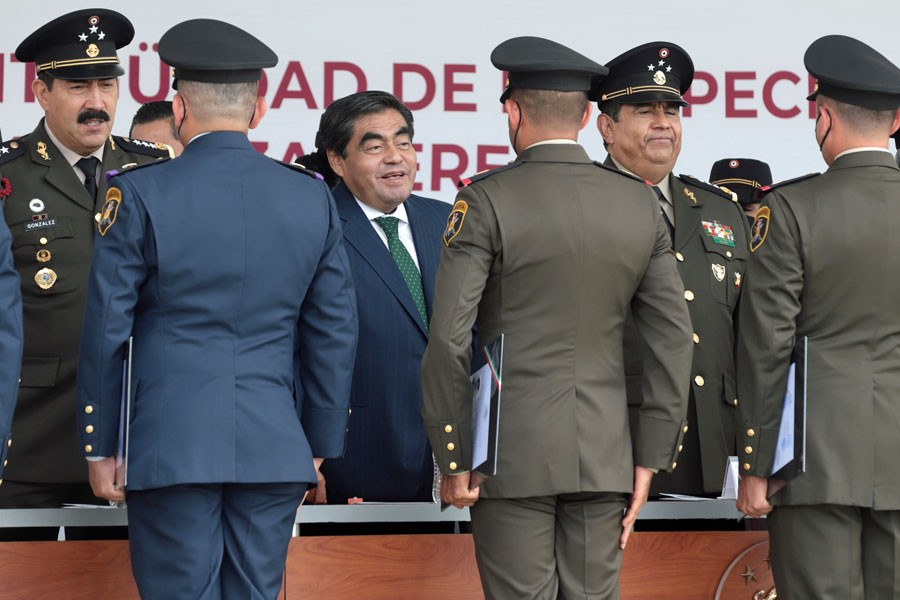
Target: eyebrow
x=371, y=135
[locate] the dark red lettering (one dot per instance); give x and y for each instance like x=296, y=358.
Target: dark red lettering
x=134, y=79
x=263, y=84
x=260, y=147
x=451, y=87
x=2, y=64
x=712, y=90
x=505, y=81
x=30, y=74
x=294, y=150
x=732, y=94
x=768, y=97
x=331, y=68
x=294, y=71
x=438, y=172
x=417, y=186
x=482, y=163
x=401, y=69
x=811, y=85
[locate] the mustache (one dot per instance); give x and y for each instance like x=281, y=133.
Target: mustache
x=93, y=114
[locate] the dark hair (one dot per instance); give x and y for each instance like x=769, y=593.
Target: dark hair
x=339, y=119
x=611, y=108
x=47, y=78
x=318, y=162
x=859, y=118
x=154, y=111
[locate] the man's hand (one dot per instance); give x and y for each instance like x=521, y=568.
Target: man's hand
x=752, y=497
x=455, y=490
x=317, y=495
x=102, y=475
x=642, y=477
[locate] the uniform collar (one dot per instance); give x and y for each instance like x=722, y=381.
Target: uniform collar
x=71, y=156
x=663, y=185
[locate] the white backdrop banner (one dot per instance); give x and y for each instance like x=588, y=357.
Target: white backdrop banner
x=748, y=96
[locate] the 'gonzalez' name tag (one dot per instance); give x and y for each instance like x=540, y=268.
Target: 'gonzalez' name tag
x=40, y=224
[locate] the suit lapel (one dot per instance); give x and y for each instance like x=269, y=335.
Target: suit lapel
x=426, y=232
x=687, y=213
x=359, y=234
x=60, y=173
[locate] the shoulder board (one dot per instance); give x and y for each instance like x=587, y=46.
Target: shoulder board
x=615, y=170
x=708, y=187
x=768, y=188
x=465, y=181
x=157, y=149
x=11, y=150
x=130, y=167
x=301, y=169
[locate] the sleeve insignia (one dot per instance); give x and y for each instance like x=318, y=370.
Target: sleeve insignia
x=455, y=221
x=759, y=229
x=110, y=210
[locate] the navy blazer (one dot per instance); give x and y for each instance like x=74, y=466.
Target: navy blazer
x=10, y=340
x=225, y=265
x=387, y=457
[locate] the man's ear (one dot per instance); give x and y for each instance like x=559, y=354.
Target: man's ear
x=605, y=127
x=513, y=113
x=178, y=110
x=336, y=162
x=41, y=92
x=586, y=116
x=259, y=112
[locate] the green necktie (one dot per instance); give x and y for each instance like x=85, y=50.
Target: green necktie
x=405, y=263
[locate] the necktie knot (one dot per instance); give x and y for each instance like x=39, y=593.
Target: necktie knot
x=88, y=166
x=389, y=225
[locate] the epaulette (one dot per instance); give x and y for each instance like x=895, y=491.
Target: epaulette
x=157, y=149
x=615, y=170
x=301, y=169
x=465, y=181
x=708, y=187
x=768, y=188
x=133, y=167
x=11, y=150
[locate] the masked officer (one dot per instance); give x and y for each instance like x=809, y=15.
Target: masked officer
x=824, y=257
x=57, y=187
x=641, y=100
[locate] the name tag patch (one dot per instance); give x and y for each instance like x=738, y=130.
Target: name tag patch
x=42, y=224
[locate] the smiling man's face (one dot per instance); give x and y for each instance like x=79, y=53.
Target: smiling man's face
x=646, y=139
x=79, y=113
x=379, y=163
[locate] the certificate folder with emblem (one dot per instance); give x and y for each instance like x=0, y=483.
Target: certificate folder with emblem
x=486, y=385
x=121, y=478
x=790, y=451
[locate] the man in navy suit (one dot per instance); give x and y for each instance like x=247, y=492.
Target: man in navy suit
x=227, y=268
x=393, y=241
x=11, y=339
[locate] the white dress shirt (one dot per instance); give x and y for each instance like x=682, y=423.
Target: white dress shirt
x=73, y=157
x=404, y=230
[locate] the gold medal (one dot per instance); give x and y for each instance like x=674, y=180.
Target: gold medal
x=43, y=255
x=45, y=278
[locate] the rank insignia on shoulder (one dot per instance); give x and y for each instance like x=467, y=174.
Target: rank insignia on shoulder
x=720, y=234
x=110, y=210
x=760, y=228
x=466, y=181
x=455, y=221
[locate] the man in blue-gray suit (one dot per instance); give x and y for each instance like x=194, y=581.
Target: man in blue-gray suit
x=227, y=268
x=393, y=241
x=10, y=335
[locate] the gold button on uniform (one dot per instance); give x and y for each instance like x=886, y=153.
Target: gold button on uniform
x=451, y=446
x=696, y=339
x=453, y=466
x=674, y=464
x=89, y=429
x=699, y=381
x=679, y=256
x=688, y=295
x=88, y=409
x=748, y=450
x=448, y=428
x=97, y=217
x=735, y=402
x=43, y=240
x=88, y=448
x=9, y=444
x=746, y=466
x=728, y=253
x=680, y=447
x=750, y=433
x=684, y=430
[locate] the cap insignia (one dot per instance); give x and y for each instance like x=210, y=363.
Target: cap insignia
x=92, y=50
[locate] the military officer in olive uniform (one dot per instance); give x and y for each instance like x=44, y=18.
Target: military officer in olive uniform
x=743, y=176
x=640, y=123
x=580, y=244
x=823, y=267
x=57, y=189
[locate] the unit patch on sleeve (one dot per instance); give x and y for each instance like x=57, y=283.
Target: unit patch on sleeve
x=455, y=221
x=110, y=210
x=759, y=229
x=720, y=234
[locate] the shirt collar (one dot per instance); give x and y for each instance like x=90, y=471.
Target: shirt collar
x=374, y=213
x=553, y=141
x=863, y=149
x=71, y=156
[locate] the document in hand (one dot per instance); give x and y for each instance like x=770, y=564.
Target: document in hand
x=121, y=478
x=486, y=384
x=790, y=451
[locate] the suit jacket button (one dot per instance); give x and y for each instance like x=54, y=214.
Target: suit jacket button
x=748, y=450
x=88, y=448
x=89, y=429
x=451, y=446
x=453, y=466
x=746, y=466
x=699, y=381
x=448, y=428
x=9, y=443
x=88, y=409
x=750, y=433
x=688, y=295
x=679, y=256
x=696, y=339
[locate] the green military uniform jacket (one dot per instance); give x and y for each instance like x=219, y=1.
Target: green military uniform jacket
x=53, y=243
x=551, y=251
x=825, y=266
x=711, y=249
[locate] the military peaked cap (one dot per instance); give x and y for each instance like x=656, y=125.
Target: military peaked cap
x=743, y=176
x=850, y=71
x=654, y=72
